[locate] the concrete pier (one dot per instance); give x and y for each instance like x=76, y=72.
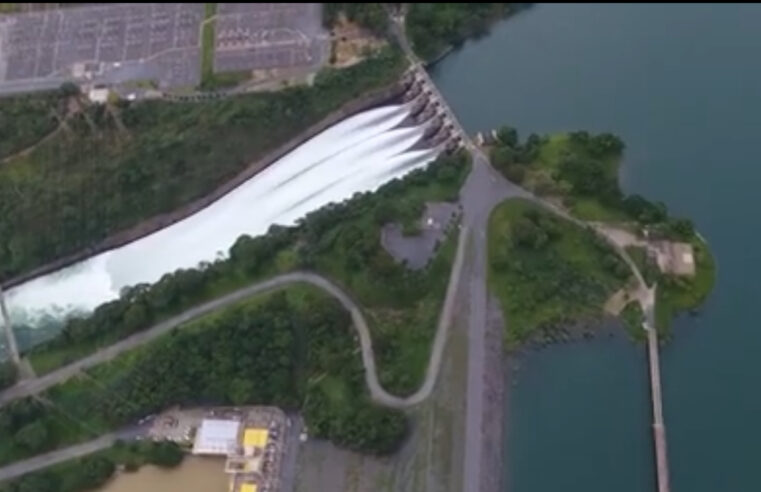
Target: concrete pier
x=659, y=428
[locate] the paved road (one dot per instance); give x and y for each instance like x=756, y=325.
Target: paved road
x=483, y=190
x=656, y=396
x=49, y=459
x=288, y=469
x=36, y=385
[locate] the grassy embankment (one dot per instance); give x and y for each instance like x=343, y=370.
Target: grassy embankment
x=340, y=241
x=547, y=272
x=209, y=79
x=97, y=179
x=580, y=172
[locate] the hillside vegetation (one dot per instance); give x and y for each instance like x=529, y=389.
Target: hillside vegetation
x=119, y=165
x=92, y=471
x=434, y=27
x=25, y=120
x=579, y=171
x=293, y=349
x=547, y=272
x=371, y=16
x=341, y=241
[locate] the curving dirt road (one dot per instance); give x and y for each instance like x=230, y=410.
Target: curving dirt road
x=379, y=395
x=36, y=385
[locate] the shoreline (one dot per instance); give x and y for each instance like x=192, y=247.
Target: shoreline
x=153, y=224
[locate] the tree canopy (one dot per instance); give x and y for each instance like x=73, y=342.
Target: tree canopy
x=433, y=27
x=91, y=472
x=371, y=16
x=272, y=352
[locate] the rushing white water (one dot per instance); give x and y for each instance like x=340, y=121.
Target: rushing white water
x=358, y=154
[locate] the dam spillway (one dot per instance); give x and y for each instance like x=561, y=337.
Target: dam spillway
x=356, y=155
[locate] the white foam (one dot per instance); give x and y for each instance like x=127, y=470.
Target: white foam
x=356, y=155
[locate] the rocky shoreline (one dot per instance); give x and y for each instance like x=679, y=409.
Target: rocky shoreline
x=605, y=327
x=494, y=403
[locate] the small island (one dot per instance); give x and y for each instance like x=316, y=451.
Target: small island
x=548, y=272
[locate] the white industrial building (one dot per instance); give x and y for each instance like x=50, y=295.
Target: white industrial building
x=217, y=437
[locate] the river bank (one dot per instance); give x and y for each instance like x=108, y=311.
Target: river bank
x=195, y=474
x=365, y=102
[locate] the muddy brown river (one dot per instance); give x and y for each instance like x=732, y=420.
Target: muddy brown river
x=193, y=475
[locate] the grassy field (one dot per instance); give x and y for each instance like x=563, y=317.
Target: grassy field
x=559, y=146
x=552, y=152
x=565, y=279
x=207, y=44
x=591, y=209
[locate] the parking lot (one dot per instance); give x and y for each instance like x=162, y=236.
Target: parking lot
x=103, y=44
x=260, y=36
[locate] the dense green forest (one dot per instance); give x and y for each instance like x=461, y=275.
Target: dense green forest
x=340, y=240
x=117, y=165
x=581, y=170
x=93, y=471
x=434, y=27
x=295, y=349
x=547, y=271
x=24, y=120
x=372, y=16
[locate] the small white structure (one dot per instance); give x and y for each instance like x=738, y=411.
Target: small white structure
x=216, y=437
x=98, y=96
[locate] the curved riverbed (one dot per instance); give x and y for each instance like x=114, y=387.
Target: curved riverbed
x=359, y=154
